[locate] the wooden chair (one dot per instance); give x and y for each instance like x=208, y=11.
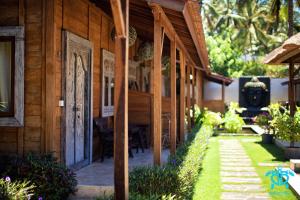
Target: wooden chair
x=106, y=137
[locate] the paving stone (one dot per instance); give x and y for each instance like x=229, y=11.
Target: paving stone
x=240, y=180
x=236, y=160
x=239, y=174
x=238, y=169
x=243, y=187
x=273, y=164
x=244, y=196
x=232, y=164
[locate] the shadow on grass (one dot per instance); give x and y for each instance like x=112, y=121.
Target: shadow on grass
x=274, y=151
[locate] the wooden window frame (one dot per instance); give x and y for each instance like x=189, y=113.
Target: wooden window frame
x=10, y=39
x=15, y=119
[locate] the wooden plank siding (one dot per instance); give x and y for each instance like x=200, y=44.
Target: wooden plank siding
x=28, y=138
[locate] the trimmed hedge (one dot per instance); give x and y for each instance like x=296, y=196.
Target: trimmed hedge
x=176, y=179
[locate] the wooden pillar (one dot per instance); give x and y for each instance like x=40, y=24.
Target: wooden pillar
x=173, y=98
x=188, y=97
x=157, y=88
x=182, y=96
x=223, y=95
x=120, y=9
x=193, y=97
x=200, y=89
x=292, y=90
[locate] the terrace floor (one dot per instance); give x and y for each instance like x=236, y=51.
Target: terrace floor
x=102, y=173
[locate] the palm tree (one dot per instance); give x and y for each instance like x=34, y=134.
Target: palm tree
x=252, y=28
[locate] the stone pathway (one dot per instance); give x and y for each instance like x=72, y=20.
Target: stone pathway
x=239, y=178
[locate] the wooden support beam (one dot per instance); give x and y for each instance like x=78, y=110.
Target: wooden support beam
x=50, y=75
x=170, y=31
x=119, y=18
x=200, y=89
x=292, y=90
x=188, y=96
x=223, y=91
x=157, y=128
x=182, y=96
x=120, y=10
x=193, y=97
x=173, y=98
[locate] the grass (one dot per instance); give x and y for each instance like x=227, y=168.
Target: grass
x=268, y=153
x=208, y=185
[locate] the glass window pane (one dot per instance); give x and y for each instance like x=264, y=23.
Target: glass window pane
x=5, y=76
x=112, y=85
x=106, y=90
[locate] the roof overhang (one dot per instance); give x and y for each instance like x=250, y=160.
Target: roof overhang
x=288, y=52
x=217, y=78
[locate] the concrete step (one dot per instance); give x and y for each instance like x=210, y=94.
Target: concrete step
x=90, y=192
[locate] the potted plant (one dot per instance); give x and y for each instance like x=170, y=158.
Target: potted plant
x=288, y=129
x=263, y=120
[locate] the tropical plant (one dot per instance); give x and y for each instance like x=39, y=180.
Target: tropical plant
x=53, y=180
x=15, y=190
x=212, y=118
x=233, y=122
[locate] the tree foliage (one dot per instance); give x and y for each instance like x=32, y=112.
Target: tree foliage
x=239, y=33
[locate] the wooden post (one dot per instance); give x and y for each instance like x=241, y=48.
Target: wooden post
x=188, y=97
x=173, y=98
x=292, y=90
x=120, y=9
x=223, y=95
x=193, y=97
x=157, y=88
x=200, y=89
x=182, y=96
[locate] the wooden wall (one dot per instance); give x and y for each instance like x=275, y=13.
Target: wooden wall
x=215, y=105
x=28, y=138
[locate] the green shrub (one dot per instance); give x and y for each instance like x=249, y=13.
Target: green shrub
x=153, y=180
x=176, y=179
x=233, y=122
x=212, y=118
x=16, y=190
x=287, y=127
x=53, y=180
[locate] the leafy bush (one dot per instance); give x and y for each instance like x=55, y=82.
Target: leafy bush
x=287, y=127
x=212, y=118
x=53, y=180
x=176, y=179
x=233, y=122
x=15, y=190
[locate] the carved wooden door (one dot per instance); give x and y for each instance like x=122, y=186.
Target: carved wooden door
x=77, y=123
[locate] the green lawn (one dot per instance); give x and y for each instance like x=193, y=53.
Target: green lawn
x=259, y=153
x=208, y=185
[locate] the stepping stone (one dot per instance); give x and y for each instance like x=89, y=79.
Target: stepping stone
x=243, y=160
x=240, y=180
x=273, y=164
x=244, y=196
x=238, y=169
x=243, y=187
x=238, y=165
x=239, y=174
x=234, y=158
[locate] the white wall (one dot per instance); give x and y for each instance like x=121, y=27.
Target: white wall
x=232, y=92
x=212, y=90
x=278, y=92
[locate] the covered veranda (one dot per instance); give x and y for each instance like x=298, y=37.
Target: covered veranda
x=175, y=29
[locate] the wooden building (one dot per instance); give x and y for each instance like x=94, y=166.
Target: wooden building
x=65, y=62
x=288, y=53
